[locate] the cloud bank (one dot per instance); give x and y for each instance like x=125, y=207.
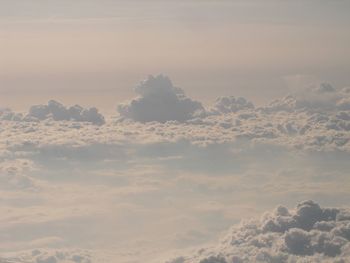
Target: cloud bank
x=317, y=119
x=308, y=233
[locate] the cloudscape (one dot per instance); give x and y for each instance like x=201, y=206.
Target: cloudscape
x=174, y=131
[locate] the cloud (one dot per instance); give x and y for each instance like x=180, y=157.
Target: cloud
x=308, y=233
x=8, y=115
x=160, y=101
x=76, y=181
x=231, y=104
x=319, y=120
x=57, y=112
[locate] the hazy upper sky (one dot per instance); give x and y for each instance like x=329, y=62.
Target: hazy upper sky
x=257, y=49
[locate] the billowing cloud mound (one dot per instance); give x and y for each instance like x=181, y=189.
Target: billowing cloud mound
x=160, y=101
x=307, y=234
x=57, y=112
x=231, y=104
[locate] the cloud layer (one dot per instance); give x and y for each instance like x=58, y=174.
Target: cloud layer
x=69, y=183
x=318, y=117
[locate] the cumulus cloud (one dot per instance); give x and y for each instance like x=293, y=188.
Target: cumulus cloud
x=317, y=118
x=8, y=115
x=308, y=233
x=14, y=175
x=57, y=112
x=160, y=101
x=231, y=104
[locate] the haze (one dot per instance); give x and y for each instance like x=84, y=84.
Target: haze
x=96, y=51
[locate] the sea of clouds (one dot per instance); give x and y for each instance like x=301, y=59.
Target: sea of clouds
x=77, y=186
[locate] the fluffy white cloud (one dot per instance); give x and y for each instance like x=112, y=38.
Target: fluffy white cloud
x=308, y=233
x=160, y=101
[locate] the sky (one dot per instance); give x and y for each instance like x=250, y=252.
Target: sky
x=193, y=131
x=97, y=50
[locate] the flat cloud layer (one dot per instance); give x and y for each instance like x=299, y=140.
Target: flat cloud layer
x=308, y=233
x=160, y=101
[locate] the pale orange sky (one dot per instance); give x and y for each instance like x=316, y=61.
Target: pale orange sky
x=94, y=52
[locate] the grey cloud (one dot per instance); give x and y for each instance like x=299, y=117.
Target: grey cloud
x=308, y=233
x=8, y=115
x=59, y=112
x=160, y=101
x=324, y=88
x=231, y=104
x=287, y=104
x=213, y=259
x=55, y=111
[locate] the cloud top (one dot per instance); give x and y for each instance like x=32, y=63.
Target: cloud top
x=160, y=101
